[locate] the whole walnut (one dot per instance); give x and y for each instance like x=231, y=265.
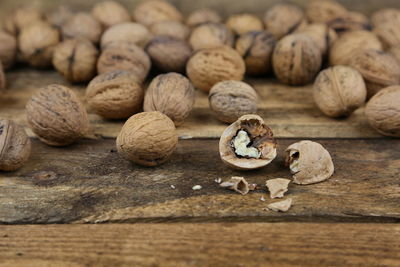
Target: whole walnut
x=229, y=100
x=3, y=82
x=324, y=11
x=383, y=111
x=395, y=52
x=352, y=21
x=379, y=69
x=20, y=18
x=210, y=35
x=110, y=13
x=124, y=56
x=37, y=43
x=152, y=11
x=201, y=16
x=296, y=59
x=385, y=15
x=57, y=116
x=82, y=25
x=256, y=49
x=115, y=95
x=212, y=65
x=172, y=94
x=321, y=34
x=15, y=146
x=76, y=60
x=128, y=32
x=348, y=44
x=388, y=33
x=59, y=16
x=8, y=49
x=283, y=19
x=339, y=90
x=170, y=28
x=243, y=23
x=169, y=54
x=147, y=138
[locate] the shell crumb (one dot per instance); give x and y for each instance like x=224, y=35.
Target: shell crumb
x=172, y=186
x=238, y=184
x=197, y=187
x=282, y=206
x=218, y=180
x=262, y=198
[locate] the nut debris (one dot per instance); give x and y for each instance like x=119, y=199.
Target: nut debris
x=218, y=180
x=172, y=186
x=281, y=206
x=238, y=184
x=197, y=187
x=277, y=187
x=262, y=198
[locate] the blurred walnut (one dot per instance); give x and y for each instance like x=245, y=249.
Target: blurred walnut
x=324, y=11
x=210, y=35
x=170, y=28
x=82, y=25
x=352, y=21
x=152, y=11
x=110, y=13
x=3, y=82
x=395, y=51
x=8, y=49
x=201, y=16
x=243, y=23
x=388, y=33
x=321, y=34
x=128, y=32
x=385, y=15
x=20, y=18
x=59, y=16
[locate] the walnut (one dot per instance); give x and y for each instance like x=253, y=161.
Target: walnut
x=339, y=90
x=212, y=65
x=395, y=52
x=110, y=13
x=309, y=162
x=243, y=23
x=324, y=11
x=171, y=94
x=383, y=111
x=388, y=33
x=385, y=15
x=171, y=28
x=283, y=19
x=210, y=35
x=15, y=146
x=238, y=184
x=379, y=69
x=8, y=49
x=229, y=100
x=352, y=21
x=20, y=18
x=76, y=60
x=59, y=16
x=147, y=138
x=152, y=11
x=37, y=43
x=3, y=82
x=201, y=16
x=296, y=59
x=124, y=56
x=82, y=25
x=277, y=187
x=247, y=144
x=321, y=34
x=56, y=115
x=115, y=95
x=281, y=206
x=256, y=49
x=128, y=32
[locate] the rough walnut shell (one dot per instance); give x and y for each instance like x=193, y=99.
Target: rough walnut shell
x=82, y=25
x=171, y=28
x=229, y=100
x=171, y=94
x=128, y=32
x=210, y=66
x=210, y=35
x=3, y=81
x=57, y=116
x=110, y=13
x=309, y=162
x=395, y=52
x=243, y=23
x=261, y=138
x=321, y=34
x=277, y=187
x=383, y=111
x=201, y=16
x=339, y=90
x=147, y=138
x=20, y=18
x=385, y=15
x=59, y=16
x=15, y=145
x=388, y=33
x=8, y=49
x=353, y=21
x=296, y=59
x=152, y=11
x=324, y=11
x=115, y=95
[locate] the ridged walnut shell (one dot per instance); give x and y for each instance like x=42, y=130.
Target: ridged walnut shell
x=110, y=13
x=296, y=59
x=3, y=81
x=229, y=100
x=210, y=35
x=353, y=21
x=128, y=32
x=57, y=116
x=20, y=18
x=243, y=23
x=385, y=15
x=59, y=16
x=324, y=11
x=15, y=146
x=171, y=94
x=8, y=49
x=339, y=90
x=82, y=25
x=210, y=66
x=309, y=162
x=321, y=34
x=261, y=141
x=147, y=138
x=201, y=16
x=171, y=28
x=115, y=95
x=152, y=11
x=388, y=33
x=383, y=111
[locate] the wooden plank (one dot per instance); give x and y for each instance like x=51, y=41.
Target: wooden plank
x=215, y=244
x=89, y=182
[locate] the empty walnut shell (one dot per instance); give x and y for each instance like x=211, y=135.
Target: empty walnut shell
x=20, y=18
x=243, y=23
x=57, y=116
x=152, y=11
x=3, y=82
x=171, y=28
x=309, y=162
x=247, y=144
x=82, y=25
x=59, y=16
x=128, y=32
x=385, y=15
x=147, y=138
x=115, y=95
x=296, y=59
x=210, y=35
x=229, y=100
x=110, y=13
x=383, y=111
x=352, y=21
x=201, y=16
x=324, y=11
x=171, y=94
x=321, y=34
x=15, y=146
x=8, y=49
x=210, y=66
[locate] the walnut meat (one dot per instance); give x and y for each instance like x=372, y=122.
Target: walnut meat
x=15, y=146
x=110, y=13
x=201, y=16
x=321, y=34
x=210, y=35
x=20, y=18
x=296, y=59
x=243, y=23
x=3, y=82
x=76, y=60
x=171, y=94
x=128, y=32
x=152, y=11
x=339, y=90
x=383, y=111
x=247, y=144
x=57, y=116
x=171, y=28
x=324, y=11
x=210, y=66
x=147, y=138
x=229, y=100
x=115, y=95
x=59, y=16
x=352, y=21
x=309, y=162
x=8, y=49
x=82, y=25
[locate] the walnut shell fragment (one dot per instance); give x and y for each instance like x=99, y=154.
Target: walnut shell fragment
x=281, y=206
x=309, y=162
x=247, y=144
x=277, y=187
x=238, y=184
x=321, y=34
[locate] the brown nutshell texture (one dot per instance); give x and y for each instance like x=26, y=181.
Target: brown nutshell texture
x=109, y=13
x=147, y=138
x=56, y=115
x=395, y=52
x=243, y=23
x=388, y=33
x=385, y=15
x=20, y=18
x=152, y=11
x=171, y=28
x=128, y=32
x=229, y=100
x=8, y=49
x=201, y=16
x=115, y=95
x=210, y=66
x=171, y=94
x=210, y=35
x=277, y=187
x=321, y=34
x=59, y=16
x=352, y=21
x=82, y=25
x=324, y=11
x=3, y=81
